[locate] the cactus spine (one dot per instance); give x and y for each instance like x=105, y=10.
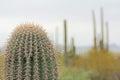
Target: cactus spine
x=94, y=28
x=30, y=55
x=65, y=42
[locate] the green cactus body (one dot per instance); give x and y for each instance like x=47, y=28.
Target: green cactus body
x=94, y=29
x=30, y=55
x=65, y=43
x=73, y=48
x=107, y=36
x=102, y=28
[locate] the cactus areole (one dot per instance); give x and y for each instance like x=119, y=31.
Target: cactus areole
x=30, y=55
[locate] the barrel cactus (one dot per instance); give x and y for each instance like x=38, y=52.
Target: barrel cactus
x=30, y=55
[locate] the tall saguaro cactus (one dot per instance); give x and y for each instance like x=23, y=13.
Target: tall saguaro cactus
x=30, y=55
x=73, y=48
x=107, y=36
x=102, y=28
x=94, y=28
x=57, y=37
x=65, y=42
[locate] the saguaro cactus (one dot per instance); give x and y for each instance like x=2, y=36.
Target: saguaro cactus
x=73, y=48
x=65, y=42
x=30, y=55
x=94, y=28
x=102, y=28
x=57, y=37
x=107, y=36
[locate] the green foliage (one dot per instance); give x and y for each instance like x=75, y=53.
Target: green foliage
x=70, y=73
x=30, y=55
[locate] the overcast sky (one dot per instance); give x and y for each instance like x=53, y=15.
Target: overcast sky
x=51, y=13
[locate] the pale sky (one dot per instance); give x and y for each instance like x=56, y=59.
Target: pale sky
x=51, y=13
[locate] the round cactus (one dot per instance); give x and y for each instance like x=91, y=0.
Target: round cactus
x=30, y=55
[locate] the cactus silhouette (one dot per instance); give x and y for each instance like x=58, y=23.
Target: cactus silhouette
x=94, y=28
x=73, y=48
x=102, y=28
x=57, y=37
x=30, y=55
x=65, y=42
x=107, y=36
